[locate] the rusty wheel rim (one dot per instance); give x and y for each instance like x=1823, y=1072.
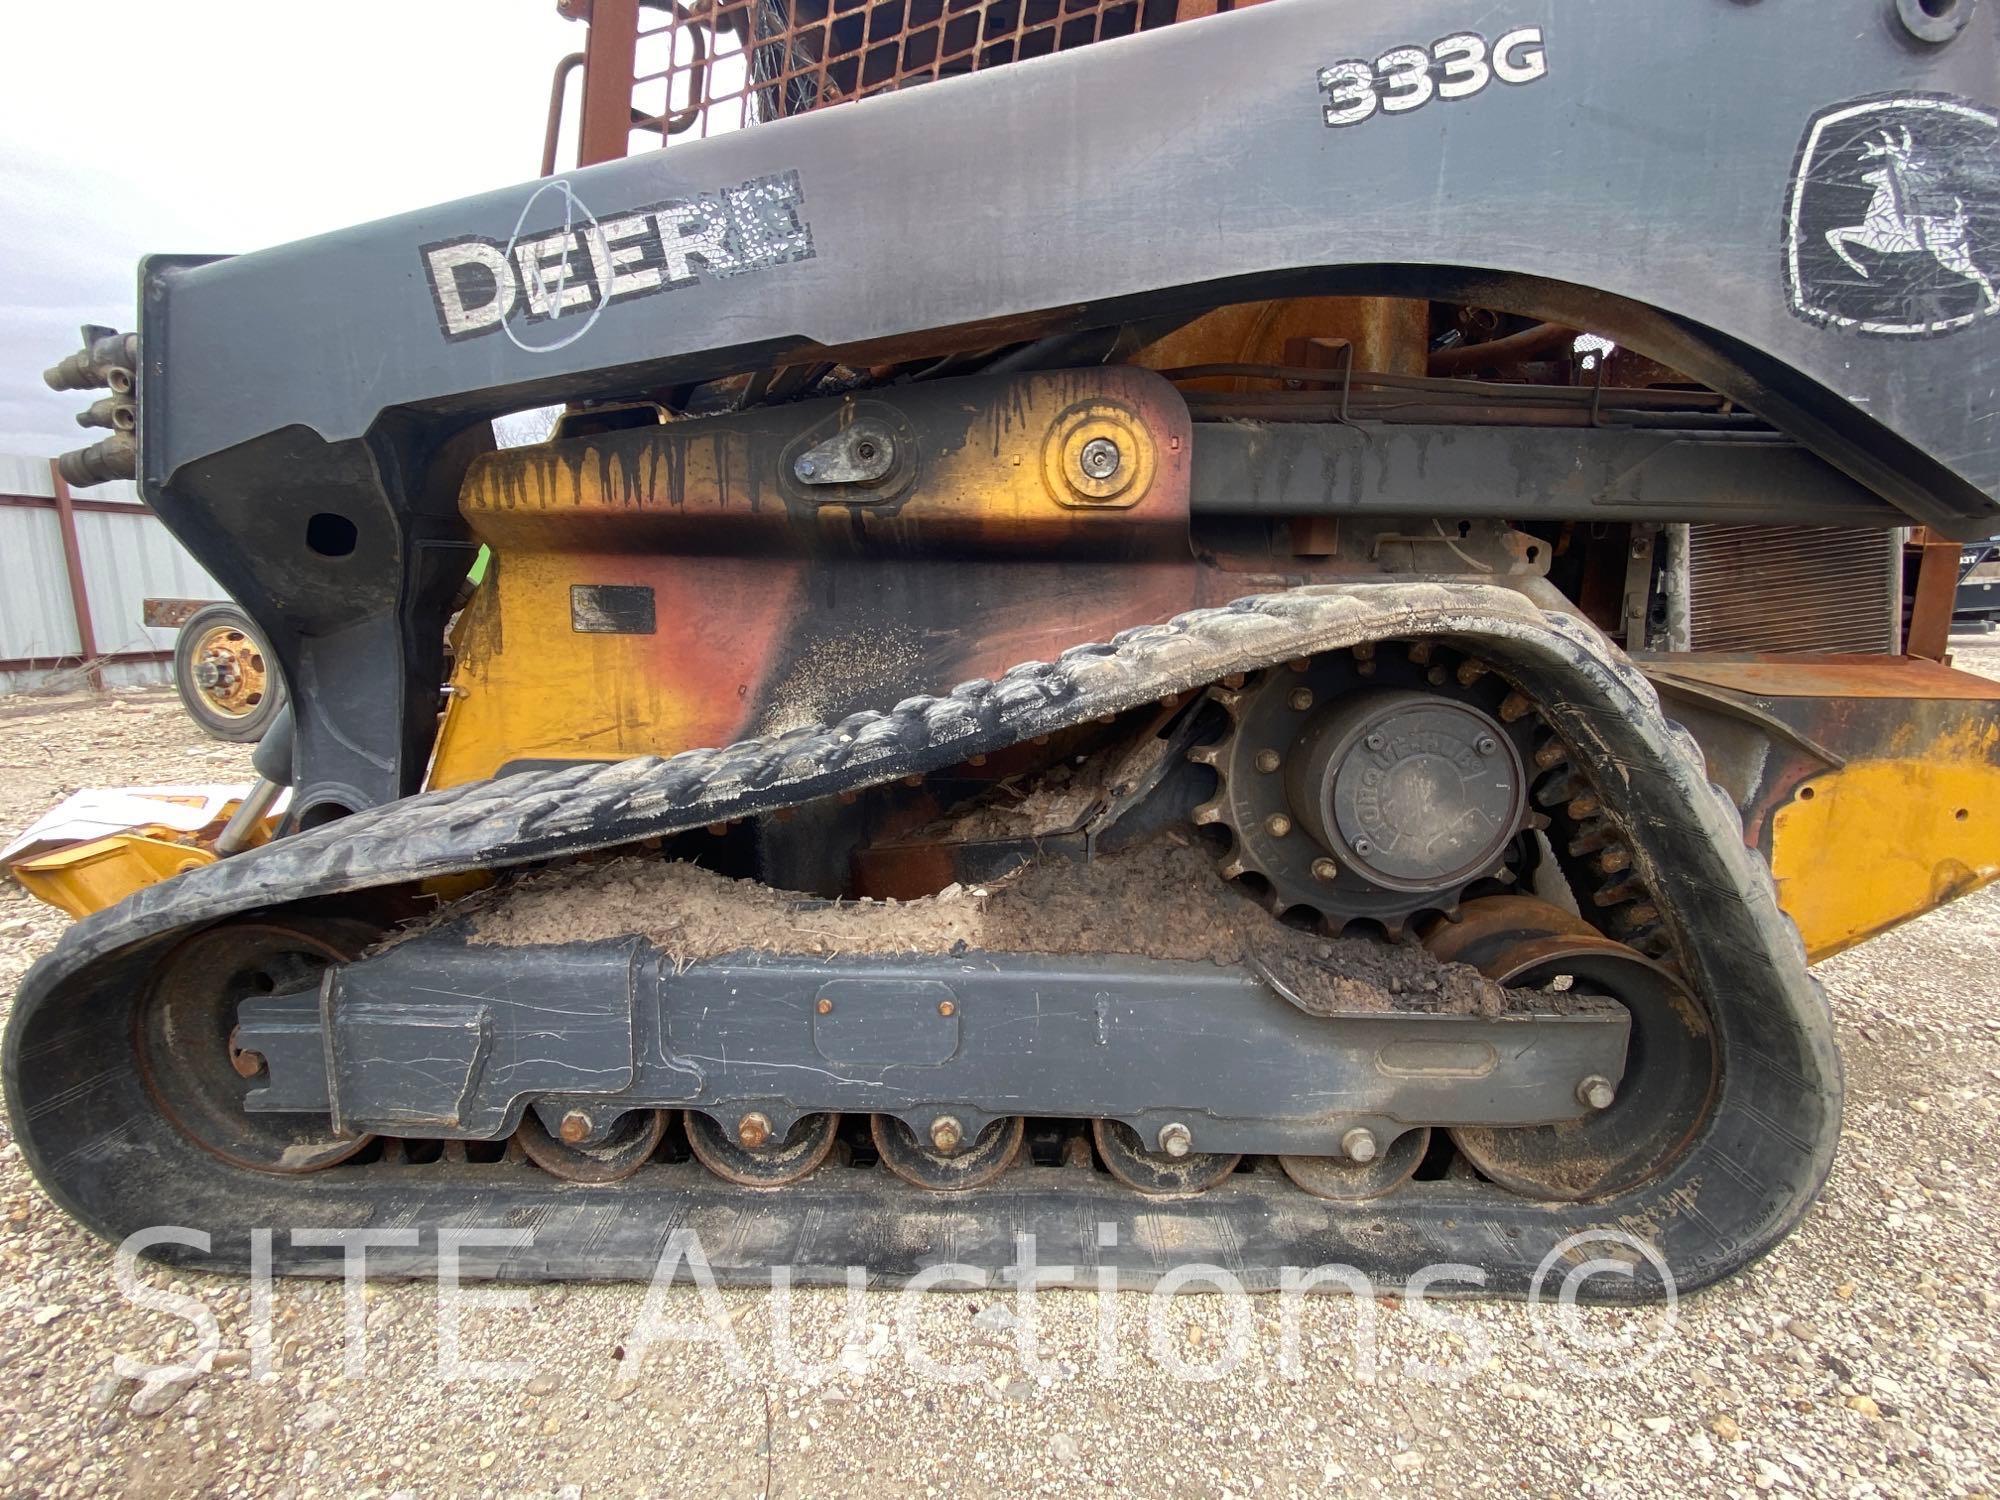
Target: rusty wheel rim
x=628, y=1147
x=230, y=671
x=185, y=1040
x=1339, y=1180
x=1154, y=1172
x=774, y=1164
x=911, y=1158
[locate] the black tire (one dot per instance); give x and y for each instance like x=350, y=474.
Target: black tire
x=244, y=720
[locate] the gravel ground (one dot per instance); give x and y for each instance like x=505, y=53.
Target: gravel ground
x=1860, y=1358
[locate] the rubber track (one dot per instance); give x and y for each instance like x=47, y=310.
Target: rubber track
x=92, y=1138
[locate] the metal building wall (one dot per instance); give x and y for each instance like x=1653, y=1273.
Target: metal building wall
x=127, y=556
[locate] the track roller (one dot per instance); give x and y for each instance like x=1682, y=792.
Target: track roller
x=626, y=1147
x=969, y=1164
x=1342, y=1179
x=1158, y=1172
x=751, y=1159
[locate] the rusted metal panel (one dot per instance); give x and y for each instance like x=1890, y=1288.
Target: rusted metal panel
x=1932, y=599
x=1871, y=785
x=1781, y=676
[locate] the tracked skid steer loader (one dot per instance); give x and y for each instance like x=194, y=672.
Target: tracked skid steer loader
x=1264, y=637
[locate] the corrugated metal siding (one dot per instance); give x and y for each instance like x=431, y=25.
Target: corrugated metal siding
x=1793, y=588
x=22, y=475
x=35, y=618
x=127, y=559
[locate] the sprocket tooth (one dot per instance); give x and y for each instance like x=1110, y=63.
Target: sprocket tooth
x=1618, y=892
x=1591, y=838
x=1613, y=859
x=1206, y=755
x=1208, y=812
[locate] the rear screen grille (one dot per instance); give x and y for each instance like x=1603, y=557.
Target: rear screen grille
x=712, y=67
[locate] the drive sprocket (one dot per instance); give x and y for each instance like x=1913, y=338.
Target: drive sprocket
x=1371, y=784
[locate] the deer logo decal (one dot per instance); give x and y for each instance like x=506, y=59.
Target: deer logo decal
x=1893, y=225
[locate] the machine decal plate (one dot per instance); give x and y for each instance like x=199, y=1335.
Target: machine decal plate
x=1406, y=78
x=1892, y=224
x=563, y=266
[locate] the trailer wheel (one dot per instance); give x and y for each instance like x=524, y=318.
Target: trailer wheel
x=226, y=676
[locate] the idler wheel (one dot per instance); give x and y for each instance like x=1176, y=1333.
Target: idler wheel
x=770, y=1163
x=1344, y=1180
x=626, y=1147
x=1158, y=1172
x=185, y=1040
x=1637, y=1124
x=973, y=1164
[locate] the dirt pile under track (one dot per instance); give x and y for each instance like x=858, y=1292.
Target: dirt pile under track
x=1163, y=900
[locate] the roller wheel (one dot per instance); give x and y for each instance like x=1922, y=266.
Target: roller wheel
x=1670, y=1060
x=772, y=1164
x=626, y=1148
x=974, y=1164
x=1126, y=1158
x=1345, y=1181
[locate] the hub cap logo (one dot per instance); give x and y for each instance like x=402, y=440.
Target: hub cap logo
x=1893, y=224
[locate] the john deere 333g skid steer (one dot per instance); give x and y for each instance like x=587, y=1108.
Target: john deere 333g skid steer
x=1265, y=637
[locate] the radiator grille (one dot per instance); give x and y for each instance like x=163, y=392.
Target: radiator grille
x=1793, y=588
x=718, y=65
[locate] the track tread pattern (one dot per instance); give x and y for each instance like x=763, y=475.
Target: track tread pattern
x=81, y=1120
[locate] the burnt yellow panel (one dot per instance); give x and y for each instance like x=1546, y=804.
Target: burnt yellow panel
x=1871, y=845
x=88, y=877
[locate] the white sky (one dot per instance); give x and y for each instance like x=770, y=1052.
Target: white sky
x=216, y=126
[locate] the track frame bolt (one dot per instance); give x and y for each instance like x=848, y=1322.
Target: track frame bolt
x=1100, y=459
x=1277, y=825
x=1596, y=1092
x=1359, y=1144
x=1374, y=742
x=1269, y=761
x=947, y=1135
x=805, y=468
x=947, y=1007
x=1363, y=847
x=1325, y=869
x=753, y=1130
x=1486, y=744
x=1176, y=1140
x=575, y=1127
x=823, y=1005
x=1300, y=699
